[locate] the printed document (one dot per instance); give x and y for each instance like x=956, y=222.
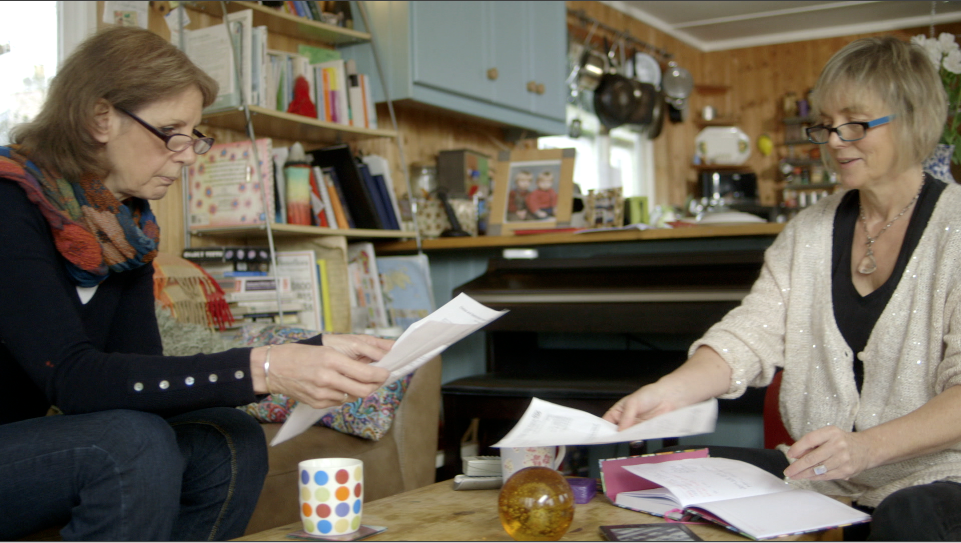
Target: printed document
x=422, y=341
x=545, y=424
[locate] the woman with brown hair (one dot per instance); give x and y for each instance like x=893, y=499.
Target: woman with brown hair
x=149, y=446
x=859, y=302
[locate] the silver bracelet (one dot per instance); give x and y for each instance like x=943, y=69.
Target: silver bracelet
x=267, y=368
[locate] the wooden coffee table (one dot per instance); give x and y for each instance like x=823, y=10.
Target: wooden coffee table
x=439, y=513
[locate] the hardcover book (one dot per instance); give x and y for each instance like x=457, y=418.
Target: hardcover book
x=360, y=201
x=224, y=189
x=735, y=494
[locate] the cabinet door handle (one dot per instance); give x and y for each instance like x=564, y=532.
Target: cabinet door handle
x=540, y=88
x=492, y=74
x=532, y=86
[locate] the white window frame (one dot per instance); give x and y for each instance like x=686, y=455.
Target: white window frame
x=75, y=22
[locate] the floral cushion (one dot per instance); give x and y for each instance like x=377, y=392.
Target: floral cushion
x=369, y=417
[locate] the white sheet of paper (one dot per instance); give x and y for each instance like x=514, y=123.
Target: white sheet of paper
x=545, y=424
x=422, y=341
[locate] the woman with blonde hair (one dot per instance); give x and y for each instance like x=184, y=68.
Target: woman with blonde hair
x=149, y=447
x=859, y=303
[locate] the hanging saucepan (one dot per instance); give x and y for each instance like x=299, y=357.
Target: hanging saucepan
x=614, y=98
x=657, y=116
x=677, y=84
x=592, y=67
x=646, y=95
x=588, y=67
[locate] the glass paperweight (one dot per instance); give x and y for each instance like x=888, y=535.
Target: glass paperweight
x=536, y=504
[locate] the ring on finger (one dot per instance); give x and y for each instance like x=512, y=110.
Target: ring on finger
x=820, y=469
x=346, y=397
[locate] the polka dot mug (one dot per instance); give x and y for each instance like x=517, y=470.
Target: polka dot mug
x=331, y=495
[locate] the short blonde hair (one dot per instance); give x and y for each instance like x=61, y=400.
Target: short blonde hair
x=129, y=67
x=902, y=76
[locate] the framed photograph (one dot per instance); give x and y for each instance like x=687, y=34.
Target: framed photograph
x=533, y=189
x=604, y=208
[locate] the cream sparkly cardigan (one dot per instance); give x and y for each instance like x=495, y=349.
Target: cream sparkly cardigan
x=913, y=353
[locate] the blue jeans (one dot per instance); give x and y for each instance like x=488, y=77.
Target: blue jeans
x=917, y=513
x=132, y=476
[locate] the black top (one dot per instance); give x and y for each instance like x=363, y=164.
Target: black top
x=856, y=315
x=54, y=350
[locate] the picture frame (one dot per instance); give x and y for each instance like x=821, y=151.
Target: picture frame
x=533, y=189
x=604, y=208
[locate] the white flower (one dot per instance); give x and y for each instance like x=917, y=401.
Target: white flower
x=932, y=47
x=952, y=61
x=947, y=43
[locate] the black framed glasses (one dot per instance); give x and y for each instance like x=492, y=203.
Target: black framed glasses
x=176, y=142
x=847, y=131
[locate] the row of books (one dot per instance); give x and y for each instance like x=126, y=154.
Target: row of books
x=381, y=292
x=267, y=76
x=328, y=187
x=336, y=13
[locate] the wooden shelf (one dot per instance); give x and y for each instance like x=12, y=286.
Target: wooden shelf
x=295, y=230
x=280, y=22
x=269, y=123
x=811, y=186
x=720, y=121
x=702, y=167
x=799, y=142
x=798, y=120
x=711, y=89
x=802, y=161
x=467, y=244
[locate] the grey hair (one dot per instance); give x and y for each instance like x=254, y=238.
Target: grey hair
x=899, y=74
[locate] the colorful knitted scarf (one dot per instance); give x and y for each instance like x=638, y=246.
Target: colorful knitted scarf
x=95, y=232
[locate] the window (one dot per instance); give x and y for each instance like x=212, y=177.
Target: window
x=34, y=37
x=28, y=59
x=630, y=153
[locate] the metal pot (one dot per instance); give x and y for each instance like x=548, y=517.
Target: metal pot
x=657, y=116
x=591, y=68
x=615, y=98
x=677, y=84
x=646, y=94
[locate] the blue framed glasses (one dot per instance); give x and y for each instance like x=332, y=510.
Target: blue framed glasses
x=847, y=131
x=176, y=142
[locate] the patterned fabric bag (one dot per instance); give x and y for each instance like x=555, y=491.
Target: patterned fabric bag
x=369, y=417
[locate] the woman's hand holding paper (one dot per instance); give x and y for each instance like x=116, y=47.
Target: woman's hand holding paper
x=704, y=376
x=330, y=375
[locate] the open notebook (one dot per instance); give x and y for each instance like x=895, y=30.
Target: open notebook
x=735, y=494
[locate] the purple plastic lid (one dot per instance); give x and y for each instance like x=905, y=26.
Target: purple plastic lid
x=584, y=488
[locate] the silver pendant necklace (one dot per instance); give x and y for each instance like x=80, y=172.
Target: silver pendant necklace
x=869, y=264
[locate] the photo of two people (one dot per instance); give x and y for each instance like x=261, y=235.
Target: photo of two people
x=533, y=191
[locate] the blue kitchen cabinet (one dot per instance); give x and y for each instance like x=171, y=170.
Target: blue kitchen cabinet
x=500, y=61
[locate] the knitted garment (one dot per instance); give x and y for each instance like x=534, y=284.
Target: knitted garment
x=912, y=355
x=96, y=233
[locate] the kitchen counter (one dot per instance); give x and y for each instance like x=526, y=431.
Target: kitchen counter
x=455, y=261
x=691, y=232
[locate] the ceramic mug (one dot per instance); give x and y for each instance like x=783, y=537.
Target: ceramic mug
x=331, y=495
x=514, y=459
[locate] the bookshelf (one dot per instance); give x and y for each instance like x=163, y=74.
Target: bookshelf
x=279, y=124
x=258, y=122
x=250, y=122
x=279, y=22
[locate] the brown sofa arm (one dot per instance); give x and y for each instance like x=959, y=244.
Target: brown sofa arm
x=419, y=415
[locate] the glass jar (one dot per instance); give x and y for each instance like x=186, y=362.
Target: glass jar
x=423, y=179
